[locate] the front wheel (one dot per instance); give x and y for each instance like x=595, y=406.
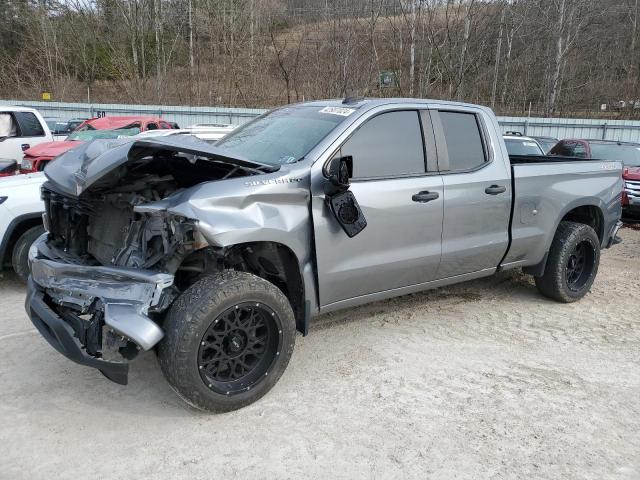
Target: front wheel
x=20, y=255
x=572, y=264
x=229, y=338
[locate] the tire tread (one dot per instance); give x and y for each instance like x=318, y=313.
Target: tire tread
x=552, y=283
x=188, y=316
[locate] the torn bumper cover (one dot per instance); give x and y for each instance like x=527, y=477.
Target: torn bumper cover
x=85, y=312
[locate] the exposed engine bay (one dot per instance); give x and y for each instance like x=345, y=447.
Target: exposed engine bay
x=101, y=226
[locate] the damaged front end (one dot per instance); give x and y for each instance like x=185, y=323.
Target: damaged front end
x=103, y=275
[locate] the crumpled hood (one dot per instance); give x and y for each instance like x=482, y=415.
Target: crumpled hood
x=50, y=149
x=77, y=169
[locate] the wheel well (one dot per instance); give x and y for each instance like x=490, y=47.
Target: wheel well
x=589, y=215
x=18, y=229
x=272, y=261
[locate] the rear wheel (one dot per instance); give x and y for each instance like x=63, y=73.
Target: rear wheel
x=20, y=254
x=229, y=338
x=572, y=264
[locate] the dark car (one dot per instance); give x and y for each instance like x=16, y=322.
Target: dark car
x=63, y=127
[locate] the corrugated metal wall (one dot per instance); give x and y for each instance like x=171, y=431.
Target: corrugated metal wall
x=184, y=116
x=624, y=130
x=628, y=130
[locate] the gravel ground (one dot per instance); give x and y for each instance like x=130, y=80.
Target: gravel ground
x=482, y=380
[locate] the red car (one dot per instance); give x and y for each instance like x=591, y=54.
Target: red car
x=36, y=158
x=626, y=152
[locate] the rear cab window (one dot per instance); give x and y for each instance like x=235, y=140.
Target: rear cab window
x=570, y=148
x=29, y=124
x=464, y=142
x=387, y=145
x=20, y=124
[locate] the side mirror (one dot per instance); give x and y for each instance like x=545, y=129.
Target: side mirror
x=341, y=200
x=340, y=171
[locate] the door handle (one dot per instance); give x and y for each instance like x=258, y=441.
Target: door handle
x=424, y=197
x=495, y=189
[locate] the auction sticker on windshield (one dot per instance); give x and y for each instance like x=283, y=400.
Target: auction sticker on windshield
x=345, y=112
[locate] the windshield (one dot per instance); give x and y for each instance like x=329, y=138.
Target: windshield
x=285, y=135
x=522, y=147
x=86, y=135
x=629, y=155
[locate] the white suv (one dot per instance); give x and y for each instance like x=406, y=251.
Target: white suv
x=20, y=129
x=20, y=219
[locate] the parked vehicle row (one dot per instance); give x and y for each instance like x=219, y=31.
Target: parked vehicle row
x=36, y=158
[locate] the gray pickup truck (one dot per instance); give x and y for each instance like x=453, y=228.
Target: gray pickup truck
x=215, y=255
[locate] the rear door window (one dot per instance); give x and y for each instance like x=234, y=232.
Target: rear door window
x=29, y=124
x=387, y=145
x=464, y=140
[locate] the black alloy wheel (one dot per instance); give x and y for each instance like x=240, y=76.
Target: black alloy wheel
x=228, y=340
x=572, y=263
x=580, y=265
x=239, y=348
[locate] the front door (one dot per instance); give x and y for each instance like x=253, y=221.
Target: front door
x=402, y=203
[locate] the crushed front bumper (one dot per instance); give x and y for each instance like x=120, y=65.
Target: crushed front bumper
x=62, y=336
x=73, y=306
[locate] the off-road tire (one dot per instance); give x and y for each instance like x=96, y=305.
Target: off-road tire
x=190, y=317
x=20, y=254
x=554, y=283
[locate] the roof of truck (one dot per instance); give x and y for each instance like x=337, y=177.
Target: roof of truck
x=358, y=102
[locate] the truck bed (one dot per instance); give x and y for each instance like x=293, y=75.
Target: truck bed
x=546, y=189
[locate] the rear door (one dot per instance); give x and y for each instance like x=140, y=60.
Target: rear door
x=477, y=193
x=401, y=199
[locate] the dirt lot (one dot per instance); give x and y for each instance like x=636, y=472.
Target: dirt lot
x=482, y=380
